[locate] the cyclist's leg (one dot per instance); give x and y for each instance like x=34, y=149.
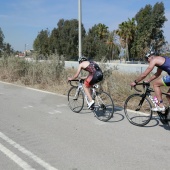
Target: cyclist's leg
x=87, y=91
x=89, y=82
x=166, y=80
x=86, y=87
x=156, y=85
x=168, y=113
x=168, y=97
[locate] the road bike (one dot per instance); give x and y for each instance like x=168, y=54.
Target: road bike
x=138, y=107
x=103, y=107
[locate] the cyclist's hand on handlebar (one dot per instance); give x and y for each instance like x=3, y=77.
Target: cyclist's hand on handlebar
x=69, y=79
x=132, y=84
x=147, y=81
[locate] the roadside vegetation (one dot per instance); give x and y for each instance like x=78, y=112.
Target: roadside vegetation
x=52, y=76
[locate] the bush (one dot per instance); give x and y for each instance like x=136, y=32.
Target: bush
x=46, y=73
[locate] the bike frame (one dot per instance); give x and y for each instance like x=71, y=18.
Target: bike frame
x=80, y=87
x=148, y=93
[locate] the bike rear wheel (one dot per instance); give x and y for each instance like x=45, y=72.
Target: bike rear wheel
x=75, y=99
x=138, y=113
x=104, y=106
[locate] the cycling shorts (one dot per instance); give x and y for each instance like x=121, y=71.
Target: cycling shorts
x=93, y=79
x=166, y=80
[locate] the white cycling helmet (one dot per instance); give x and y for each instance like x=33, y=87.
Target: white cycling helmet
x=81, y=59
x=149, y=54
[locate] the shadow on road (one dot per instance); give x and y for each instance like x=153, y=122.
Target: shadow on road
x=118, y=116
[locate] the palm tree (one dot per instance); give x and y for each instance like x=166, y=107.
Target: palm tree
x=112, y=47
x=126, y=32
x=102, y=31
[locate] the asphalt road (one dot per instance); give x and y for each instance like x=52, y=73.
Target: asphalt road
x=39, y=131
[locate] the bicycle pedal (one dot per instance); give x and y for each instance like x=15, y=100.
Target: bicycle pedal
x=92, y=107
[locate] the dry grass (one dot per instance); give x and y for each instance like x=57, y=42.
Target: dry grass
x=52, y=76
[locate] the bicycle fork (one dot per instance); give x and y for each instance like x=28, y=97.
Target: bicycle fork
x=141, y=102
x=77, y=92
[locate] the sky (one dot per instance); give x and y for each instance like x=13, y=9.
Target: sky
x=21, y=20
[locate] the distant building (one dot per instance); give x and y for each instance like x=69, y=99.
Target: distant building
x=21, y=55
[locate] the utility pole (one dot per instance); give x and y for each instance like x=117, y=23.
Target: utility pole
x=80, y=32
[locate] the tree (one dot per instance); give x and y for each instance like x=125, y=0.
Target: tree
x=101, y=31
x=1, y=41
x=157, y=20
x=65, y=38
x=41, y=43
x=53, y=41
x=94, y=43
x=7, y=49
x=149, y=29
x=126, y=32
x=113, y=48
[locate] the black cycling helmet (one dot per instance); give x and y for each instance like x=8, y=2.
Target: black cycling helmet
x=149, y=54
x=81, y=59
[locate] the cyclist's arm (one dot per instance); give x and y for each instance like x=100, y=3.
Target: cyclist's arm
x=156, y=75
x=77, y=73
x=146, y=72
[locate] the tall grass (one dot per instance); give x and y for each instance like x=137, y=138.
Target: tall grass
x=48, y=75
x=52, y=76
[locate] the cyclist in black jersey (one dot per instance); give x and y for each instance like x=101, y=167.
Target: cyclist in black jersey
x=162, y=64
x=95, y=75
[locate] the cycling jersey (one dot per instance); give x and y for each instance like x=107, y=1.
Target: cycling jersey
x=95, y=74
x=166, y=65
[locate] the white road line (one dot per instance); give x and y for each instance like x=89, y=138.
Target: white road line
x=26, y=152
x=57, y=111
x=15, y=158
x=51, y=113
x=62, y=105
x=27, y=107
x=54, y=112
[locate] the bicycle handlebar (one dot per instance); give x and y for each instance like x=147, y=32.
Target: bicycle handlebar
x=144, y=84
x=77, y=80
x=82, y=81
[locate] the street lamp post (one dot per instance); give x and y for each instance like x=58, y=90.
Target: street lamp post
x=80, y=33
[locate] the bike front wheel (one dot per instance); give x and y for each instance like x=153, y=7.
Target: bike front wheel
x=75, y=99
x=104, y=106
x=138, y=110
